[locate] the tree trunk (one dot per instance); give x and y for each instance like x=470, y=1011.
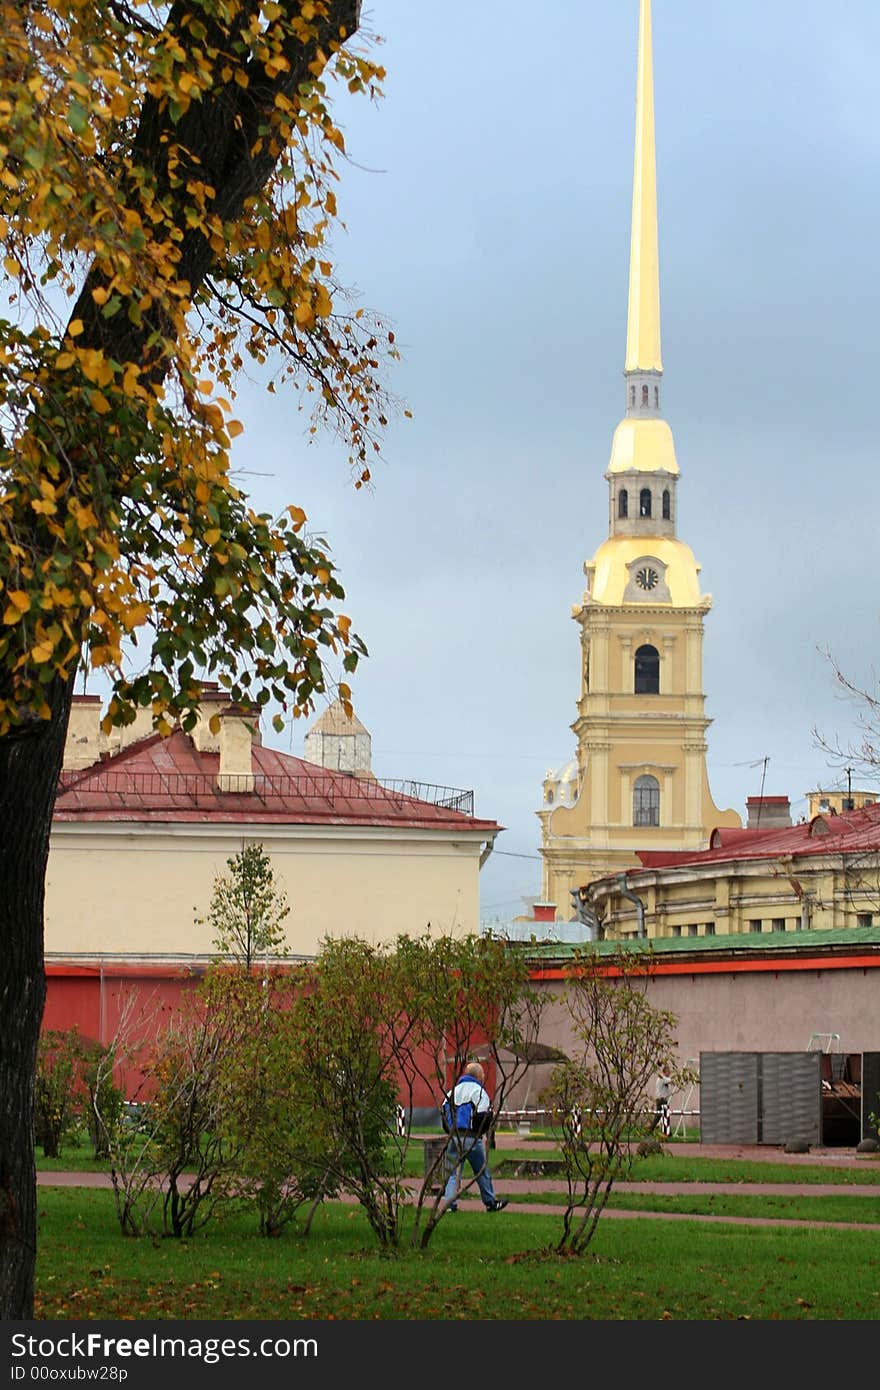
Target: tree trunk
x=220, y=134
x=30, y=762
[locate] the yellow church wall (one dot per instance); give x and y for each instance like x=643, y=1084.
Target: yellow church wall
x=138, y=890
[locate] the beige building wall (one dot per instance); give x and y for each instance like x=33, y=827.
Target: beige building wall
x=825, y=803
x=138, y=888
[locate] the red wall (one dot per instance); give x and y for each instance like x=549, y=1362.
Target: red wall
x=95, y=999
x=100, y=1002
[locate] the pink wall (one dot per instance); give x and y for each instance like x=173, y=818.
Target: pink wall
x=740, y=1010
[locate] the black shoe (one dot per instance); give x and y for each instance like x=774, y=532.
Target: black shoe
x=499, y=1204
x=450, y=1209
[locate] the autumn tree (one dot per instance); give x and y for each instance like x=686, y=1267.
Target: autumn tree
x=59, y=1088
x=247, y=908
x=168, y=197
x=337, y=1031
x=279, y=1136
x=373, y=1027
x=126, y=1130
x=601, y=1092
x=460, y=997
x=195, y=1155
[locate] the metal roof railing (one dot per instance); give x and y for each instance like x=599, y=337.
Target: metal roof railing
x=157, y=786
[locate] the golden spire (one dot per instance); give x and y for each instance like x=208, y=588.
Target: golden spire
x=643, y=322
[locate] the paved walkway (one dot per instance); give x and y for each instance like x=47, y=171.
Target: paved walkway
x=543, y=1209
x=522, y=1187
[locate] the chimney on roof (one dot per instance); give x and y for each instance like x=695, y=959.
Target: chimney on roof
x=339, y=744
x=213, y=702
x=544, y=912
x=768, y=812
x=125, y=734
x=237, y=732
x=236, y=739
x=85, y=742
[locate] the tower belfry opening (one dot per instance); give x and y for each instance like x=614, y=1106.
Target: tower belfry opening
x=640, y=727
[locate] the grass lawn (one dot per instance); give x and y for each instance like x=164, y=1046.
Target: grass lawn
x=686, y=1167
x=477, y=1267
x=865, y=1209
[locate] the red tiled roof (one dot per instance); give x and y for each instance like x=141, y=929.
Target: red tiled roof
x=851, y=832
x=162, y=780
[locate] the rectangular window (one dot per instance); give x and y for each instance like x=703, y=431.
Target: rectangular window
x=692, y=930
x=676, y=931
x=779, y=924
x=865, y=919
x=710, y=928
x=755, y=924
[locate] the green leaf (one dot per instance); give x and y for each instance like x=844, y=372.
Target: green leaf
x=77, y=117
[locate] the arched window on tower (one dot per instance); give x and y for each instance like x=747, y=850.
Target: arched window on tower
x=645, y=502
x=647, y=671
x=644, y=395
x=667, y=505
x=623, y=502
x=656, y=397
x=646, y=801
x=632, y=395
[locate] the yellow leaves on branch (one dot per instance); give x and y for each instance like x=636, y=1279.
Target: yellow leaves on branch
x=125, y=424
x=19, y=602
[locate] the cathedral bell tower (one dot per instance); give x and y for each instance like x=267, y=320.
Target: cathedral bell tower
x=640, y=780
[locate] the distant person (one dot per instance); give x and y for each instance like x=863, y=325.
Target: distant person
x=662, y=1092
x=467, y=1115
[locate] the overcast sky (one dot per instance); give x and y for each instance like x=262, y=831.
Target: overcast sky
x=488, y=212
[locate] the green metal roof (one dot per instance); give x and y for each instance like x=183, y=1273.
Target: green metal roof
x=740, y=943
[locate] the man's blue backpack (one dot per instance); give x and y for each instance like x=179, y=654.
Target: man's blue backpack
x=464, y=1116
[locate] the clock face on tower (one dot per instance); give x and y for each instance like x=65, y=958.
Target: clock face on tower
x=647, y=578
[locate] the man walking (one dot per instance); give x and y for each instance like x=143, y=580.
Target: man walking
x=467, y=1117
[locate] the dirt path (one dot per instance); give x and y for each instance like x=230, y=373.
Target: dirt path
x=522, y=1187
x=618, y=1213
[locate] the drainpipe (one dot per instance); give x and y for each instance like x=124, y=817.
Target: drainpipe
x=584, y=913
x=487, y=850
x=626, y=892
